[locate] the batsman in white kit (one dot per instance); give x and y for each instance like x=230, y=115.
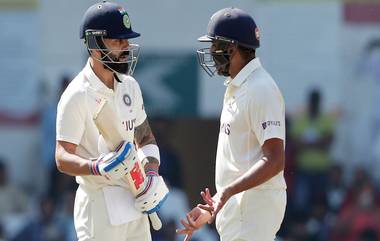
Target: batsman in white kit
x=251, y=192
x=104, y=138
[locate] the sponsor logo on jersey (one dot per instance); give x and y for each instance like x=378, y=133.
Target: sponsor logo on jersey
x=266, y=124
x=127, y=100
x=225, y=128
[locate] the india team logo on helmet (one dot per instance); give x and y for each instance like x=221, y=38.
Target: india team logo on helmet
x=126, y=21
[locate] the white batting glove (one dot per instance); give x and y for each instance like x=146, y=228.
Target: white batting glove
x=114, y=165
x=154, y=194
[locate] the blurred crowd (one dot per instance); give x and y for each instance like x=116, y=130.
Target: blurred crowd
x=326, y=200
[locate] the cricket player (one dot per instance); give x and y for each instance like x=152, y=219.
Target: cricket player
x=251, y=192
x=105, y=209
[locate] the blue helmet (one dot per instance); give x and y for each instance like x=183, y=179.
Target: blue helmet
x=106, y=20
x=227, y=26
x=232, y=25
x=110, y=18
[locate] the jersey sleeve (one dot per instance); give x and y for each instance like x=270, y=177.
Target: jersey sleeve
x=267, y=115
x=70, y=123
x=140, y=113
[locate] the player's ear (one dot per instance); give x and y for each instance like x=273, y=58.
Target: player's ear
x=232, y=48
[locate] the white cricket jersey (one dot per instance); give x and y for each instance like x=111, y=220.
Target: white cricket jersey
x=253, y=112
x=77, y=106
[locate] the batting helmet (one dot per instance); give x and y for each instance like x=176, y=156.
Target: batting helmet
x=227, y=26
x=110, y=18
x=232, y=25
x=106, y=20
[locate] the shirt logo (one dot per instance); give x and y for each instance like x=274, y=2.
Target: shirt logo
x=127, y=100
x=266, y=124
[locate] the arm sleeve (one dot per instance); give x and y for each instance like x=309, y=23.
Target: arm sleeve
x=267, y=115
x=140, y=113
x=70, y=124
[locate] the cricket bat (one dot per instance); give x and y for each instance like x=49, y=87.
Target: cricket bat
x=104, y=119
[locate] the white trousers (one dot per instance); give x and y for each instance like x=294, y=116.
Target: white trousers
x=92, y=222
x=254, y=215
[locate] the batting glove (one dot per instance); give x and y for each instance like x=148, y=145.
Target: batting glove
x=154, y=194
x=114, y=165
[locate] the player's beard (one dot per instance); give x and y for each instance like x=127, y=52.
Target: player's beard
x=221, y=57
x=113, y=65
x=222, y=64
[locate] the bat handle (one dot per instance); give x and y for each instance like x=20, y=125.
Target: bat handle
x=155, y=221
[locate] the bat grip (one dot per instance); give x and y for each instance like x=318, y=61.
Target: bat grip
x=155, y=221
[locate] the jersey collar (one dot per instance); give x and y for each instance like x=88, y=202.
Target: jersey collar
x=94, y=80
x=242, y=76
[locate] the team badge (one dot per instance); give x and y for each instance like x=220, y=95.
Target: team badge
x=126, y=21
x=127, y=100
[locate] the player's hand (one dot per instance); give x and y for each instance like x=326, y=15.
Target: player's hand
x=154, y=194
x=114, y=165
x=216, y=203
x=196, y=218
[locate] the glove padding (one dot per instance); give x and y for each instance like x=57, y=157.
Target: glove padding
x=114, y=165
x=153, y=196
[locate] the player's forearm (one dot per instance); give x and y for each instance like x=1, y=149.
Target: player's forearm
x=71, y=164
x=152, y=163
x=147, y=145
x=258, y=174
x=144, y=135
